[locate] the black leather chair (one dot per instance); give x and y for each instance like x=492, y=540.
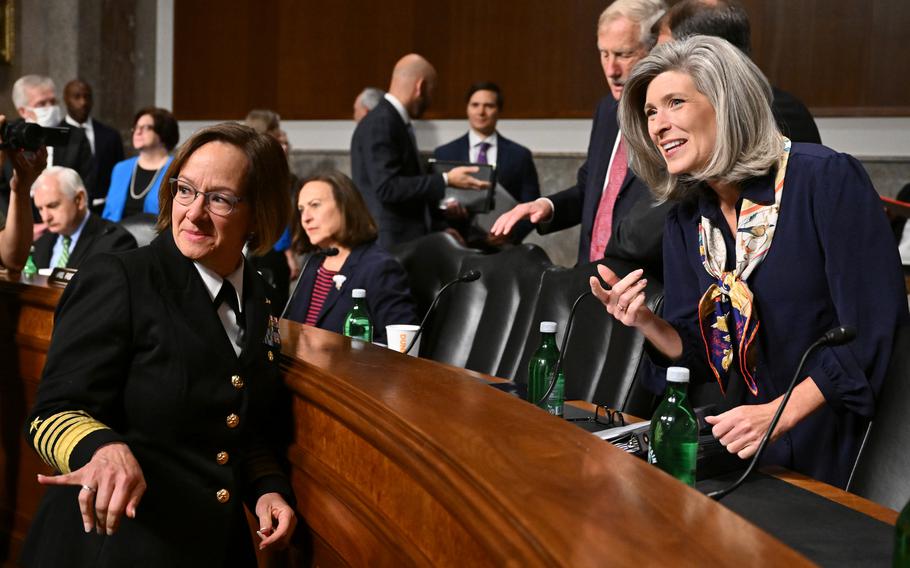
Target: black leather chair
x=483, y=325
x=882, y=471
x=142, y=227
x=430, y=262
x=602, y=357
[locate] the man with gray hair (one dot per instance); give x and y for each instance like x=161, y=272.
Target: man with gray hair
x=74, y=234
x=607, y=191
x=366, y=101
x=35, y=98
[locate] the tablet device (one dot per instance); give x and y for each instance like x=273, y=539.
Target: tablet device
x=475, y=201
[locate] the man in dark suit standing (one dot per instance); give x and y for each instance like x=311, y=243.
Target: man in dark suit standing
x=483, y=144
x=727, y=19
x=105, y=142
x=73, y=233
x=36, y=101
x=607, y=191
x=384, y=160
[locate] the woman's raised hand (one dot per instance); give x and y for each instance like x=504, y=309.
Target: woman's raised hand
x=625, y=300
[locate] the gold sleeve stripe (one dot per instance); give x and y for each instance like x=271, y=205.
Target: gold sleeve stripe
x=59, y=434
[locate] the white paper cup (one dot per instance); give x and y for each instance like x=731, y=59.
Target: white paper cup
x=399, y=336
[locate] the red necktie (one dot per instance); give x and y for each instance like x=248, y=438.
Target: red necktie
x=603, y=221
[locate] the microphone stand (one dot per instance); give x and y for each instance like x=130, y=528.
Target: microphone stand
x=562, y=350
x=836, y=336
x=331, y=251
x=469, y=276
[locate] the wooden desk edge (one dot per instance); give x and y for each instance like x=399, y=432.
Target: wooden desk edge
x=849, y=500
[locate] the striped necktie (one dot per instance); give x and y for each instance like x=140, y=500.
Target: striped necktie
x=65, y=253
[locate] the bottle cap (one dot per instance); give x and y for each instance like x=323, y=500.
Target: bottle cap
x=677, y=375
x=358, y=293
x=548, y=327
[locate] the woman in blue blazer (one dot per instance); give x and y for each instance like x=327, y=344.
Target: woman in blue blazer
x=135, y=182
x=333, y=215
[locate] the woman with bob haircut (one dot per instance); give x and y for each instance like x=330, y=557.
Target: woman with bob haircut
x=333, y=215
x=770, y=245
x=161, y=405
x=137, y=181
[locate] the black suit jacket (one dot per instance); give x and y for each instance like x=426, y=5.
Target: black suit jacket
x=108, y=151
x=386, y=169
x=578, y=204
x=369, y=267
x=793, y=118
x=138, y=347
x=99, y=235
x=515, y=171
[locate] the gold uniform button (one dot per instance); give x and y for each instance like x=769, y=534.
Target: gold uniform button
x=237, y=381
x=232, y=420
x=271, y=356
x=223, y=495
x=222, y=458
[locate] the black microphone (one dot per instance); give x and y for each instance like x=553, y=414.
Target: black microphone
x=562, y=350
x=328, y=251
x=469, y=276
x=836, y=336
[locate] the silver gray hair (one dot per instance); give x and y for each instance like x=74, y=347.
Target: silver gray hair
x=645, y=13
x=748, y=142
x=370, y=97
x=68, y=181
x=20, y=98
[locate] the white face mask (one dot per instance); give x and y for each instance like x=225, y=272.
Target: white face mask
x=48, y=115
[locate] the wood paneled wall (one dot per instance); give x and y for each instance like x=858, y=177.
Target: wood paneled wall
x=308, y=59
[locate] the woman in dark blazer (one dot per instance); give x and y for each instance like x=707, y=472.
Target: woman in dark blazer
x=768, y=246
x=161, y=404
x=333, y=215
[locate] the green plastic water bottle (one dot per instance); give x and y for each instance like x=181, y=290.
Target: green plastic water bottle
x=902, y=539
x=30, y=270
x=541, y=368
x=357, y=324
x=673, y=445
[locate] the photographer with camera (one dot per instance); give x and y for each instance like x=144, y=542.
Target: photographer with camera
x=36, y=101
x=16, y=225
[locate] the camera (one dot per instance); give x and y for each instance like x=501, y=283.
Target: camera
x=30, y=136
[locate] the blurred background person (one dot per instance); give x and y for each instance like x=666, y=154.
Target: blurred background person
x=366, y=101
x=104, y=141
x=73, y=233
x=789, y=235
x=161, y=405
x=727, y=19
x=279, y=265
x=136, y=182
x=483, y=144
x=35, y=97
x=333, y=214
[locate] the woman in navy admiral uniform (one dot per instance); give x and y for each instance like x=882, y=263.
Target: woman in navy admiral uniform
x=161, y=404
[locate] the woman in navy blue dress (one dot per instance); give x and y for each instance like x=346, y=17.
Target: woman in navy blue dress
x=770, y=245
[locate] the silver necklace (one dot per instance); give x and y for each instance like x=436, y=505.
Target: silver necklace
x=133, y=182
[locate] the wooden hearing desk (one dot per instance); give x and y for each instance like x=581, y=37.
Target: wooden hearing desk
x=401, y=461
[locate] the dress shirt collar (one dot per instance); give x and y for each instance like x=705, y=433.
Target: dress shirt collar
x=88, y=124
x=399, y=107
x=213, y=282
x=475, y=138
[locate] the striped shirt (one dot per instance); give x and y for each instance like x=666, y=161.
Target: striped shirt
x=321, y=289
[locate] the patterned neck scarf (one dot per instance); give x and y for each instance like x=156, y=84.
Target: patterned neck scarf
x=729, y=300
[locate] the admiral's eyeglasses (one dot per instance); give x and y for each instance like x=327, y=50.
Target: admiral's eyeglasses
x=221, y=204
